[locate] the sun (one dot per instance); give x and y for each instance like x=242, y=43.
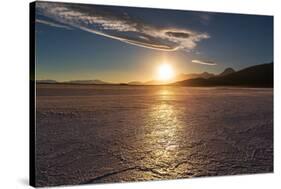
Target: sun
x=165, y=72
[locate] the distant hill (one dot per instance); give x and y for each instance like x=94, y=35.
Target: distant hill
x=96, y=81
x=179, y=77
x=135, y=83
x=227, y=71
x=204, y=75
x=46, y=81
x=154, y=82
x=254, y=76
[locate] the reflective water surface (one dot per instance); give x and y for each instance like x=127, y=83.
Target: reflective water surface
x=88, y=134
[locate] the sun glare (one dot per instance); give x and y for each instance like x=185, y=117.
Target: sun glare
x=165, y=72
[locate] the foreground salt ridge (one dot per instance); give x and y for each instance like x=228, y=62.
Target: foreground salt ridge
x=89, y=134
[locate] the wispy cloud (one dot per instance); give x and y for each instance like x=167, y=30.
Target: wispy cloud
x=52, y=24
x=205, y=62
x=121, y=26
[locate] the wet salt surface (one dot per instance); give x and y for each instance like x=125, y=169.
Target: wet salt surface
x=93, y=134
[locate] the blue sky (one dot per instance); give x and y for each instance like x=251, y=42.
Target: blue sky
x=121, y=44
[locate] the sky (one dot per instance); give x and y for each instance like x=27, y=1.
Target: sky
x=123, y=44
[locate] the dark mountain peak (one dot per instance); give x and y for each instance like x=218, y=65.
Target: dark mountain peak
x=227, y=71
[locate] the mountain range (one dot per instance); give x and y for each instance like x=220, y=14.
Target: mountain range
x=254, y=76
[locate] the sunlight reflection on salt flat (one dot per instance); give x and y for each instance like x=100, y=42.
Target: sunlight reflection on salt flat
x=165, y=135
x=165, y=92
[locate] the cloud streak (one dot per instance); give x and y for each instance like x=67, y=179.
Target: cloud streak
x=52, y=24
x=210, y=63
x=119, y=26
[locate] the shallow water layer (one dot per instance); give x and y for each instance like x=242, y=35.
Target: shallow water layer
x=102, y=133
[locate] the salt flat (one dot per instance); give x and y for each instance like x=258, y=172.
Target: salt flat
x=107, y=133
